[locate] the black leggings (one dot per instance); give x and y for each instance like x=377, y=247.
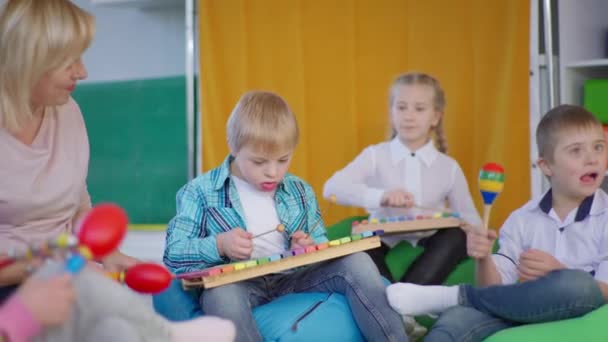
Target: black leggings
x=443, y=251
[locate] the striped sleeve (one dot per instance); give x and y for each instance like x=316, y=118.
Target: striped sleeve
x=189, y=246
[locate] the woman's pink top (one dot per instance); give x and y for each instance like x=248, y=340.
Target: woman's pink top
x=43, y=186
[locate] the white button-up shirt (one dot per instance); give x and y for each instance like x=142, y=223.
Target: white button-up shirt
x=434, y=179
x=580, y=241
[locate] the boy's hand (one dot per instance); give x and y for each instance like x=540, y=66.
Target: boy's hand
x=535, y=263
x=479, y=242
x=299, y=239
x=48, y=300
x=397, y=198
x=235, y=244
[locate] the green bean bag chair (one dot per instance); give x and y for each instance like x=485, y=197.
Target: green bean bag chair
x=590, y=327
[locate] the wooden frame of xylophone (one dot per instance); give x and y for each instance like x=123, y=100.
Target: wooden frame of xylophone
x=234, y=272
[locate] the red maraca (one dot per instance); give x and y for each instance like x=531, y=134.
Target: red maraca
x=145, y=278
x=103, y=229
x=100, y=234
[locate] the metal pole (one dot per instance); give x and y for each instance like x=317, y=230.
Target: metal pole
x=190, y=85
x=549, y=51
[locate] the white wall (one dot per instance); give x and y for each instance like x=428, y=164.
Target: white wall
x=146, y=246
x=136, y=43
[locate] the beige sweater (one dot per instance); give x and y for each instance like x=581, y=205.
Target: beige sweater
x=43, y=186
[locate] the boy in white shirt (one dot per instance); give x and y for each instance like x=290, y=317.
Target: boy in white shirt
x=222, y=214
x=553, y=258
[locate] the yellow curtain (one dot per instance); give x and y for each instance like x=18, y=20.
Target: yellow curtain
x=333, y=61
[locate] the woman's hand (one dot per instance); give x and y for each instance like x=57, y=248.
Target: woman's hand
x=118, y=262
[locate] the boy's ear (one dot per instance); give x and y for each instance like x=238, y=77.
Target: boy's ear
x=231, y=150
x=544, y=166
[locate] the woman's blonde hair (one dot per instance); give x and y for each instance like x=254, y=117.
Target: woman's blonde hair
x=414, y=78
x=264, y=120
x=36, y=37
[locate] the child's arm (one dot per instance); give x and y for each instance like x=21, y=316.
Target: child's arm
x=604, y=287
x=39, y=302
x=479, y=247
x=601, y=272
x=189, y=246
x=500, y=268
x=460, y=200
x=349, y=185
x=313, y=231
x=14, y=274
x=16, y=321
x=486, y=273
x=315, y=226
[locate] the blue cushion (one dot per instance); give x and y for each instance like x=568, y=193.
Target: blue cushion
x=294, y=317
x=311, y=316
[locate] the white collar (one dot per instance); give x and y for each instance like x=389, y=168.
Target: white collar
x=427, y=153
x=592, y=205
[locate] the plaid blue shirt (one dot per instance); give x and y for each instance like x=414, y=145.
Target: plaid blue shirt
x=209, y=205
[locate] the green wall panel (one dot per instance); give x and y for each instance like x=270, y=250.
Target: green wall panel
x=137, y=133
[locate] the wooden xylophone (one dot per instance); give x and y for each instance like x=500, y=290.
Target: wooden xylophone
x=406, y=224
x=234, y=272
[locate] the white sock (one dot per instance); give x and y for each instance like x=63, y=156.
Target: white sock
x=205, y=328
x=413, y=300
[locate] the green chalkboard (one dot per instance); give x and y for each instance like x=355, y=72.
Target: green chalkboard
x=137, y=132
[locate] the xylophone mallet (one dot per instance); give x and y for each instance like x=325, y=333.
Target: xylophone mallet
x=279, y=228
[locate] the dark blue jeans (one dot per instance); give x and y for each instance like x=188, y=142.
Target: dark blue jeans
x=484, y=311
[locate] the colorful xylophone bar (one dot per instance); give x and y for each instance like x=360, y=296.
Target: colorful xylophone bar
x=231, y=273
x=406, y=224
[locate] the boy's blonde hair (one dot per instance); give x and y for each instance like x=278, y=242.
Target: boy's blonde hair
x=558, y=119
x=418, y=78
x=36, y=37
x=264, y=120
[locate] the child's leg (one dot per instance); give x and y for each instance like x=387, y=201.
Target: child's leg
x=378, y=256
x=558, y=295
x=443, y=251
x=356, y=277
x=465, y=324
x=235, y=303
x=176, y=304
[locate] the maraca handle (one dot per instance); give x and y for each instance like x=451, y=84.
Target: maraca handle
x=486, y=216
